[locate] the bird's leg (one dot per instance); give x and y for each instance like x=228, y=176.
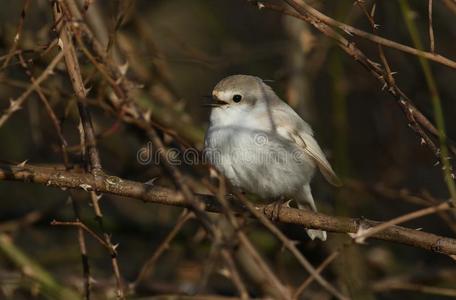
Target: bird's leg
x=276, y=206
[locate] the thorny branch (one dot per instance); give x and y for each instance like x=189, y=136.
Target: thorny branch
x=122, y=187
x=62, y=17
x=417, y=121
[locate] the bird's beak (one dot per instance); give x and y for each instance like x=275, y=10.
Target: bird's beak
x=216, y=102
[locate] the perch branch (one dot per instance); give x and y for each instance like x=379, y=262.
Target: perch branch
x=160, y=195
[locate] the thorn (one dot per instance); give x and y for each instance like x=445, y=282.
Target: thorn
x=14, y=106
x=224, y=272
x=260, y=5
x=151, y=182
x=123, y=68
x=60, y=43
x=114, y=247
x=436, y=163
x=359, y=235
x=22, y=164
x=85, y=187
x=147, y=115
x=385, y=85
x=346, y=30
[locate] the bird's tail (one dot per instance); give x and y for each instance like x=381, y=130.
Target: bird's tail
x=305, y=201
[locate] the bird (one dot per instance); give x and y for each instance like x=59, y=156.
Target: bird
x=262, y=146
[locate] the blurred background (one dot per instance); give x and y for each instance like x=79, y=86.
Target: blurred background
x=173, y=53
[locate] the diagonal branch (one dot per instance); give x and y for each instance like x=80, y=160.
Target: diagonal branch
x=304, y=7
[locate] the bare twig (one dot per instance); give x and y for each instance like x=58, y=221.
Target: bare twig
x=164, y=245
x=291, y=247
x=388, y=286
x=431, y=28
x=372, y=37
x=62, y=16
x=318, y=270
x=15, y=105
x=17, y=37
x=269, y=282
x=444, y=154
x=85, y=228
x=234, y=274
x=365, y=233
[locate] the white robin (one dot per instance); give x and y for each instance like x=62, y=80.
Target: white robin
x=261, y=145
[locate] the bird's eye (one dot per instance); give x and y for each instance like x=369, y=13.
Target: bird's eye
x=237, y=98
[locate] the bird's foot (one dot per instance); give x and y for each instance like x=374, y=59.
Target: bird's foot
x=276, y=207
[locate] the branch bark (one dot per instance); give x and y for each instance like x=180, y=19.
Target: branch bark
x=155, y=194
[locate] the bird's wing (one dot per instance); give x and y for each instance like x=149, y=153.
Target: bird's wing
x=288, y=124
x=309, y=145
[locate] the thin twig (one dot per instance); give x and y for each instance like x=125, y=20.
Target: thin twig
x=431, y=28
x=269, y=282
x=85, y=228
x=318, y=270
x=148, y=266
x=291, y=247
x=443, y=153
x=386, y=286
x=362, y=234
x=15, y=105
x=234, y=274
x=372, y=37
x=18, y=35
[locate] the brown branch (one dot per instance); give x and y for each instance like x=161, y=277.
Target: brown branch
x=164, y=245
x=389, y=285
x=81, y=225
x=291, y=247
x=52, y=116
x=431, y=28
x=17, y=37
x=155, y=194
x=234, y=274
x=365, y=233
x=15, y=105
x=88, y=140
x=369, y=36
x=63, y=147
x=318, y=270
x=269, y=282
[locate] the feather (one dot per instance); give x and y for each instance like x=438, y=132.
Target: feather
x=308, y=144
